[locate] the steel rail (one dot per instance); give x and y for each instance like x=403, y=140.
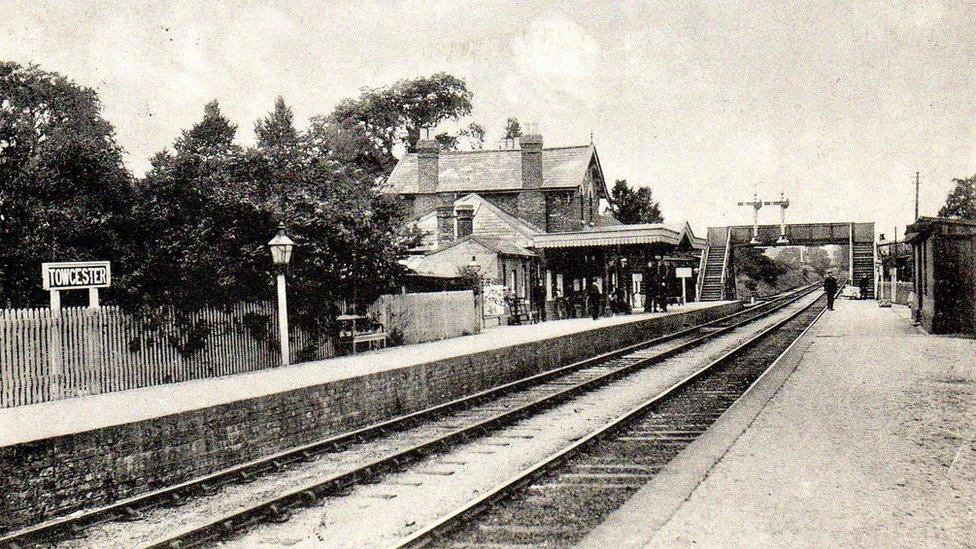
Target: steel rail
x=132, y=509
x=277, y=508
x=459, y=517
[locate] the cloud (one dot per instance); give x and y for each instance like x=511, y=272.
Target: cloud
x=558, y=56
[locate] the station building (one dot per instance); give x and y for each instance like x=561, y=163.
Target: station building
x=944, y=252
x=529, y=218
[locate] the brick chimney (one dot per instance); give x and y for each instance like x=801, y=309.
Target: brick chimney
x=465, y=220
x=428, y=151
x=445, y=225
x=531, y=202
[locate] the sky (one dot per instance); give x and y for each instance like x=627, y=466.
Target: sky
x=835, y=104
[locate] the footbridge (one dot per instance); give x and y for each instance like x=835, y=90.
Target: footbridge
x=716, y=280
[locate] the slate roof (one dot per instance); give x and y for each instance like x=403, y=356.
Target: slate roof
x=494, y=170
x=489, y=221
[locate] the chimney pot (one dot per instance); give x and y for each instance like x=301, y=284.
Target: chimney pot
x=531, y=202
x=465, y=220
x=445, y=225
x=428, y=151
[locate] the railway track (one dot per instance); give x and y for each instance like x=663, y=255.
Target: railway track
x=416, y=436
x=559, y=500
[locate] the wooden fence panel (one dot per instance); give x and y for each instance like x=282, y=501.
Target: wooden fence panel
x=427, y=316
x=106, y=350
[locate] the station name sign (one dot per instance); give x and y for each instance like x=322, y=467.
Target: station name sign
x=76, y=275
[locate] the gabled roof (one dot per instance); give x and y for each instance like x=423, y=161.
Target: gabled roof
x=495, y=170
x=489, y=221
x=645, y=233
x=444, y=262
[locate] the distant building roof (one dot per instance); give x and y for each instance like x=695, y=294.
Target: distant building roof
x=926, y=225
x=646, y=233
x=495, y=170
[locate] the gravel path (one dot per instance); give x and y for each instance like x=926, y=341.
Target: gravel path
x=870, y=443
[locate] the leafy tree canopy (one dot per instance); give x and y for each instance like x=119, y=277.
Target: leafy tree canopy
x=278, y=128
x=213, y=136
x=756, y=265
x=64, y=193
x=961, y=203
x=815, y=257
x=367, y=129
x=632, y=206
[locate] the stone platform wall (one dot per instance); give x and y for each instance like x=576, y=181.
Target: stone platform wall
x=44, y=479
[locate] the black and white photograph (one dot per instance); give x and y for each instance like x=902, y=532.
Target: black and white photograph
x=500, y=274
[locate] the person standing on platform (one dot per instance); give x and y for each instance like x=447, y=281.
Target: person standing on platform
x=663, y=294
x=830, y=288
x=651, y=289
x=595, y=298
x=863, y=285
x=539, y=299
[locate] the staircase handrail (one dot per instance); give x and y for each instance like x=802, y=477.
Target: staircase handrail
x=702, y=264
x=725, y=260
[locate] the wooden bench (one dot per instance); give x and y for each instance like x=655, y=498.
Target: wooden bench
x=369, y=339
x=358, y=329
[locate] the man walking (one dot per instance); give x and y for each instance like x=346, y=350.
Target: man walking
x=830, y=288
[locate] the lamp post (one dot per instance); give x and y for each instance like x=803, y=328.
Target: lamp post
x=281, y=247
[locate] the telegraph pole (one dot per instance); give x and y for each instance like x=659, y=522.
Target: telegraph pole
x=916, y=196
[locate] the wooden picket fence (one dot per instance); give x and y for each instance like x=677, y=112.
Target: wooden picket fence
x=84, y=351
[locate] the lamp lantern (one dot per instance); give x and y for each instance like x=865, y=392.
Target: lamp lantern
x=281, y=247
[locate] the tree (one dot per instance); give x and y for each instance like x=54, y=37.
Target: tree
x=212, y=136
x=631, y=206
x=381, y=119
x=512, y=128
x=64, y=193
x=200, y=222
x=753, y=263
x=277, y=130
x=818, y=258
x=961, y=203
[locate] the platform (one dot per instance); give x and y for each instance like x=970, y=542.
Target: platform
x=861, y=435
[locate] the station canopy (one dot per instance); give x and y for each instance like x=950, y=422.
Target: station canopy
x=678, y=235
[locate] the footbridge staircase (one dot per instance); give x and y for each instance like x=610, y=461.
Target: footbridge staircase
x=716, y=281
